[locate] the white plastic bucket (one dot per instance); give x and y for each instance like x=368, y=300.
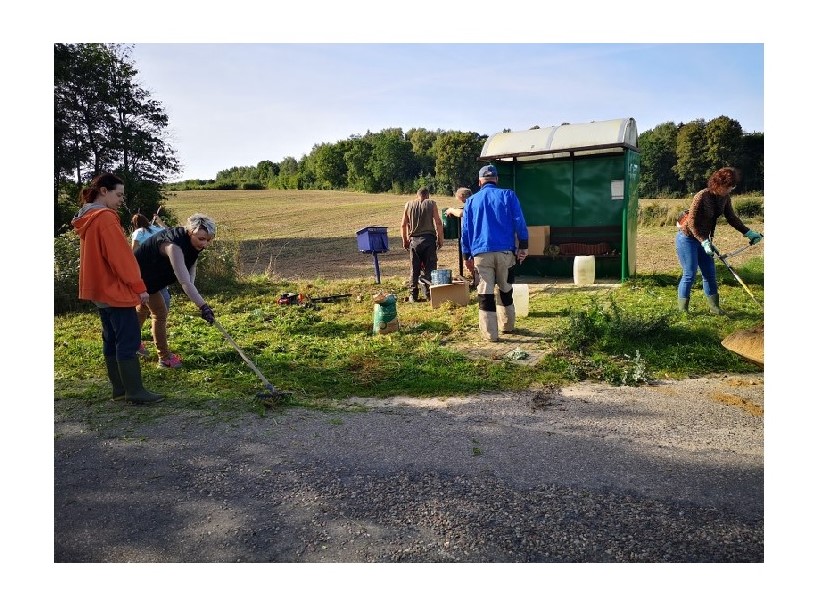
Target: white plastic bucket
x=521, y=299
x=584, y=269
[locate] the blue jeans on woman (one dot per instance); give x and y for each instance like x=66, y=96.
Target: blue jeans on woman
x=692, y=256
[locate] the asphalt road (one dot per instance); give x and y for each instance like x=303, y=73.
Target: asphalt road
x=670, y=473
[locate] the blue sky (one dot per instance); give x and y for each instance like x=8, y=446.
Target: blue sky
x=238, y=104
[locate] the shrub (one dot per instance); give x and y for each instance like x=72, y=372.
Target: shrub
x=749, y=205
x=218, y=264
x=659, y=212
x=66, y=273
x=600, y=338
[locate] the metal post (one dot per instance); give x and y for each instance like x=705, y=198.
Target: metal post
x=377, y=269
x=460, y=245
x=624, y=245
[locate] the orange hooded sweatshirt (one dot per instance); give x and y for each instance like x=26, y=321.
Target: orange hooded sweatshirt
x=108, y=271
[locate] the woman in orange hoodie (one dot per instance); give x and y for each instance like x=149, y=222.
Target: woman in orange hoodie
x=109, y=277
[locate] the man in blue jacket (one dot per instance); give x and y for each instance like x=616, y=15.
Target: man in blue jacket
x=493, y=229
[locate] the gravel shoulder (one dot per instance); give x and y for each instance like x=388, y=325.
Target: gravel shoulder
x=671, y=472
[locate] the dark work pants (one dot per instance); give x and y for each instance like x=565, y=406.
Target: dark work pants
x=423, y=251
x=121, y=332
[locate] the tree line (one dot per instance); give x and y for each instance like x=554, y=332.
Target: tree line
x=105, y=120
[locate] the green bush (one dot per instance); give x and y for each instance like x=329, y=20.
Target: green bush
x=658, y=212
x=224, y=186
x=66, y=273
x=599, y=339
x=218, y=264
x=252, y=186
x=749, y=205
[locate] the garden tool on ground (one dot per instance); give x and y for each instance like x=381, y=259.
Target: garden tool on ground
x=724, y=260
x=270, y=393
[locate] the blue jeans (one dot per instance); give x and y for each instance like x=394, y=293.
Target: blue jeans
x=121, y=332
x=692, y=256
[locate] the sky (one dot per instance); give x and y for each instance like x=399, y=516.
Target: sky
x=236, y=104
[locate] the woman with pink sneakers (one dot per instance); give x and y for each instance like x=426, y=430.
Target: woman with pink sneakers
x=165, y=258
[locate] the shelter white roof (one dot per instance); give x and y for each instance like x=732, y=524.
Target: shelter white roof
x=561, y=141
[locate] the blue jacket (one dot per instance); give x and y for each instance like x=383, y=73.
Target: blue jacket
x=491, y=220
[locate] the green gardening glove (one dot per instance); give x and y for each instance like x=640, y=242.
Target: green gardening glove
x=753, y=237
x=708, y=247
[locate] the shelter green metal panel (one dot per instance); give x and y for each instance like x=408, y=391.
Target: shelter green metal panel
x=545, y=190
x=575, y=176
x=593, y=203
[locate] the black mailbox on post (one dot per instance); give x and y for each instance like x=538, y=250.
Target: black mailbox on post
x=373, y=239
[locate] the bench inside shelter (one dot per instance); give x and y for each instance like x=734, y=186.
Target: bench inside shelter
x=570, y=241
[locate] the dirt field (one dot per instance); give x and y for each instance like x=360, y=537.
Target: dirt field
x=303, y=235
x=339, y=258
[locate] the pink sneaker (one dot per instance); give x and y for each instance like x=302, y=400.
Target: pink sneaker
x=142, y=350
x=173, y=361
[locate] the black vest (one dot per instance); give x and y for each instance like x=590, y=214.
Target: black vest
x=156, y=271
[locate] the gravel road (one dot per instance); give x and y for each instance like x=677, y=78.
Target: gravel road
x=671, y=472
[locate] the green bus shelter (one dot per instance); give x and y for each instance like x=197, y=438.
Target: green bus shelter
x=578, y=188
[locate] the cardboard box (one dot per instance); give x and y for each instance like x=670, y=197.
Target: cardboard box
x=455, y=292
x=538, y=239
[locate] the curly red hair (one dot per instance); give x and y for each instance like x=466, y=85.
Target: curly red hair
x=722, y=179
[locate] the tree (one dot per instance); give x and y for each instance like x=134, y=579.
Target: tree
x=357, y=156
x=753, y=162
x=658, y=159
x=330, y=166
x=286, y=179
x=266, y=170
x=723, y=143
x=105, y=121
x=391, y=163
x=692, y=165
x=423, y=142
x=456, y=163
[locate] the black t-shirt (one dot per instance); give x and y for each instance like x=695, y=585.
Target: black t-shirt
x=156, y=270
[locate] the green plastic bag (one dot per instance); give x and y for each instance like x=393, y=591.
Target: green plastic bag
x=385, y=314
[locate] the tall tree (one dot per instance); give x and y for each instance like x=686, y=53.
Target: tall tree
x=723, y=143
x=286, y=179
x=105, y=121
x=658, y=159
x=456, y=163
x=692, y=164
x=357, y=157
x=391, y=163
x=330, y=166
x=423, y=142
x=753, y=162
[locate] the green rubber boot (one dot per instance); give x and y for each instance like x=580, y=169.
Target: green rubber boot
x=714, y=304
x=115, y=378
x=683, y=305
x=134, y=391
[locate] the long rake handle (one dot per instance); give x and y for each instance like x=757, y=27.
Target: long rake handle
x=242, y=354
x=722, y=258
